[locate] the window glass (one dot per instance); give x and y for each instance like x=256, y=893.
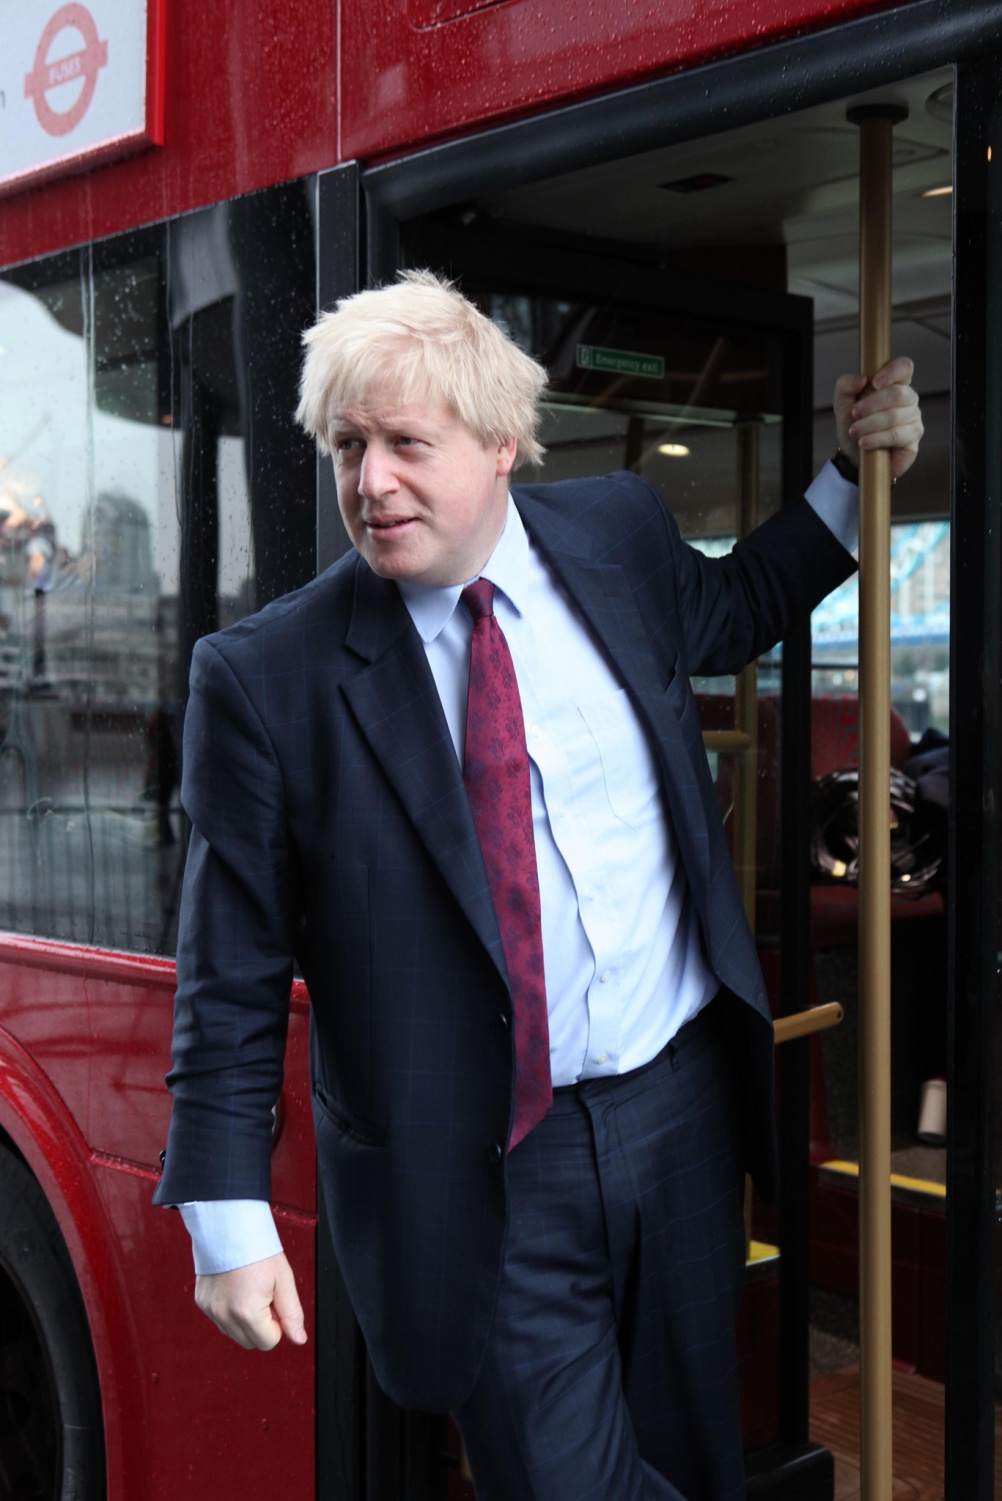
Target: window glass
x=920, y=630
x=152, y=488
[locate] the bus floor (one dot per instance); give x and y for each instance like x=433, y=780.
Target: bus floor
x=918, y=1433
x=917, y=1402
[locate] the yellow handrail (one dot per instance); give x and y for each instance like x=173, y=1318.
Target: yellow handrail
x=726, y=740
x=803, y=1023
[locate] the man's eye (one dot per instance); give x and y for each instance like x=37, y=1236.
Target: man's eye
x=346, y=445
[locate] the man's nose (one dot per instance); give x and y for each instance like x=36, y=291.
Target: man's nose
x=378, y=473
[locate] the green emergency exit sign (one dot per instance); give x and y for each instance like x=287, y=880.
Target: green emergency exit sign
x=620, y=361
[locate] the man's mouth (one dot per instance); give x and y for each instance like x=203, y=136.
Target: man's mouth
x=389, y=523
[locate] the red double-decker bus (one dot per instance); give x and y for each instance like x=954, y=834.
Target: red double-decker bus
x=660, y=203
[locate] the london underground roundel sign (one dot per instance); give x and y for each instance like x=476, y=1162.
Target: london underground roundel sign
x=80, y=82
x=83, y=63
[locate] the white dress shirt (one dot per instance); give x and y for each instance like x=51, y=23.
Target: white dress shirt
x=622, y=952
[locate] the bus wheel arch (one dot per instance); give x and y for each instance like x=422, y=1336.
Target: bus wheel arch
x=51, y=1423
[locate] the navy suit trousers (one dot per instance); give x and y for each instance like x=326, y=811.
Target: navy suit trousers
x=611, y=1372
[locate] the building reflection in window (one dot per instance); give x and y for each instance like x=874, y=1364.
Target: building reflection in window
x=153, y=487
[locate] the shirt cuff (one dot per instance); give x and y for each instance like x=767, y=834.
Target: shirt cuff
x=230, y=1233
x=836, y=502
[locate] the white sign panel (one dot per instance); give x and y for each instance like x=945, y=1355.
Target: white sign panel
x=73, y=85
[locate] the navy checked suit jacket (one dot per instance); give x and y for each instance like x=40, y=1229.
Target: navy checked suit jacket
x=329, y=821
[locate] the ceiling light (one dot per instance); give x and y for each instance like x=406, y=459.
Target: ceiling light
x=938, y=192
x=674, y=450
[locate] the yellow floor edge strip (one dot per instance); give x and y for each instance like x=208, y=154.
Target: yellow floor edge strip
x=760, y=1250
x=898, y=1180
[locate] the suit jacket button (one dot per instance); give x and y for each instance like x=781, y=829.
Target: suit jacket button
x=495, y=1152
x=503, y=1019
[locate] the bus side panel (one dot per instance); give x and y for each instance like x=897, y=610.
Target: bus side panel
x=99, y=1025
x=216, y=1420
x=36, y=1120
x=428, y=68
x=179, y=1398
x=257, y=103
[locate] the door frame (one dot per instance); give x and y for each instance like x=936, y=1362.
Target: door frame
x=361, y=244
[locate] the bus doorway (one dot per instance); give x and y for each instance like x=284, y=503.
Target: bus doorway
x=668, y=294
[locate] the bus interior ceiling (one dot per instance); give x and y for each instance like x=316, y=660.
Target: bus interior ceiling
x=777, y=203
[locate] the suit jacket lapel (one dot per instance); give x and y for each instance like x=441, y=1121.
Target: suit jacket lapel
x=602, y=592
x=395, y=701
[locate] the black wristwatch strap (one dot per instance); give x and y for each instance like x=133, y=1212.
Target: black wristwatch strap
x=846, y=468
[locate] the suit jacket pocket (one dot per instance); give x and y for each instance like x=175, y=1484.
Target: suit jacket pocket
x=364, y=1132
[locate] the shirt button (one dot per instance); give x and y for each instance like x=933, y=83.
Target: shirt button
x=602, y=1058
x=495, y=1152
x=605, y=977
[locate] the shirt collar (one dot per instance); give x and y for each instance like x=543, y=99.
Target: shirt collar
x=431, y=608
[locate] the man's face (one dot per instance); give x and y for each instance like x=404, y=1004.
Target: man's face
x=421, y=497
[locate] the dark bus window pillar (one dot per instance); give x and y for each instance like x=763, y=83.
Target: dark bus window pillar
x=972, y=1245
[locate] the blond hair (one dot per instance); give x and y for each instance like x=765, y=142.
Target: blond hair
x=420, y=340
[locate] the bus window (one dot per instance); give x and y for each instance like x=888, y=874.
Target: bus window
x=920, y=629
x=152, y=488
x=88, y=748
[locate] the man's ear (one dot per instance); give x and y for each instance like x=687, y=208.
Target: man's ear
x=506, y=455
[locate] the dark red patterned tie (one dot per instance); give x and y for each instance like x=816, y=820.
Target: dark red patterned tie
x=496, y=773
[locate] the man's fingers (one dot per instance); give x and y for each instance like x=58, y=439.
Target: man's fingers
x=250, y=1324
x=883, y=425
x=883, y=410
x=849, y=385
x=261, y=1332
x=897, y=372
x=883, y=413
x=887, y=398
x=893, y=427
x=894, y=434
x=899, y=431
x=254, y=1304
x=287, y=1308
x=891, y=387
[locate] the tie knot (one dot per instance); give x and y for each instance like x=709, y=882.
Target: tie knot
x=478, y=598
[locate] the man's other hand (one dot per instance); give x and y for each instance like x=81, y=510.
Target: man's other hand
x=886, y=416
x=255, y=1305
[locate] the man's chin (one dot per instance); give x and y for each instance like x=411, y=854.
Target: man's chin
x=390, y=558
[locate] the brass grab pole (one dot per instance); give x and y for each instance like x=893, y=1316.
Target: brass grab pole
x=876, y=1446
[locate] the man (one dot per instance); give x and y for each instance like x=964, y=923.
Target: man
x=461, y=777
